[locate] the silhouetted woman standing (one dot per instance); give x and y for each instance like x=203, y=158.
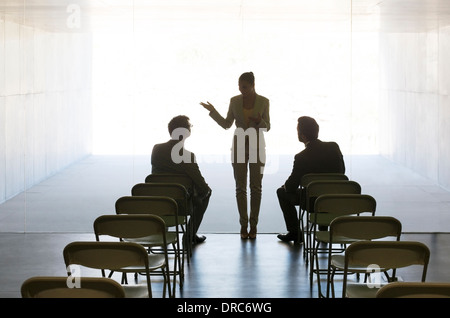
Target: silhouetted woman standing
x=250, y=112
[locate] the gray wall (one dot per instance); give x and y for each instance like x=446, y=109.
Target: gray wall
x=414, y=106
x=45, y=103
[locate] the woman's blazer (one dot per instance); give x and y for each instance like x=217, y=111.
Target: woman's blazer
x=236, y=113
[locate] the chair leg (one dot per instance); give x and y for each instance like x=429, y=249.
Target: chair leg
x=317, y=270
x=329, y=271
x=332, y=283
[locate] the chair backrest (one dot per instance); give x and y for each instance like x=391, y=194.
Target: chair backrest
x=131, y=226
x=384, y=255
x=365, y=227
x=115, y=256
x=387, y=254
x=320, y=187
x=58, y=287
x=309, y=177
x=162, y=206
x=175, y=191
x=345, y=204
x=415, y=290
x=182, y=179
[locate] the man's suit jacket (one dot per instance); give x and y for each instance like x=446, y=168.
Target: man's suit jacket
x=317, y=157
x=162, y=162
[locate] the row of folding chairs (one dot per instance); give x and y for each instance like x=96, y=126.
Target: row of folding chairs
x=114, y=256
x=338, y=196
x=153, y=219
x=167, y=196
x=339, y=223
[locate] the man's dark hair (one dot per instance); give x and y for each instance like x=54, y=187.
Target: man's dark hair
x=308, y=127
x=180, y=121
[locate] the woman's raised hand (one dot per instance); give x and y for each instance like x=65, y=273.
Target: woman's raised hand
x=208, y=106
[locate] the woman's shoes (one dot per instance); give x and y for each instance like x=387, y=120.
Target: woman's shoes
x=244, y=233
x=252, y=233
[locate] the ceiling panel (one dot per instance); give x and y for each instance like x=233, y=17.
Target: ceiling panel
x=366, y=15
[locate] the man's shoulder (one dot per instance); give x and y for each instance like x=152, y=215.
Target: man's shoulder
x=169, y=143
x=159, y=148
x=315, y=146
x=330, y=144
x=300, y=154
x=161, y=144
x=320, y=143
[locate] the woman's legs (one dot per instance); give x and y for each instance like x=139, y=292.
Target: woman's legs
x=253, y=161
x=256, y=176
x=240, y=177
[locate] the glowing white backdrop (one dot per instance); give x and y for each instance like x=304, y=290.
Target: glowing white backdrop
x=148, y=70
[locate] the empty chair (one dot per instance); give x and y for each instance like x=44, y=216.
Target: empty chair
x=415, y=290
x=63, y=287
x=376, y=257
x=348, y=229
x=307, y=179
x=145, y=229
x=327, y=207
x=182, y=179
x=167, y=209
x=125, y=257
x=315, y=189
x=187, y=208
x=179, y=193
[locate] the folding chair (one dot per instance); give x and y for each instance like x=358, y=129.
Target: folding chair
x=167, y=209
x=345, y=230
x=60, y=287
x=188, y=184
x=182, y=179
x=312, y=192
x=147, y=230
x=376, y=257
x=327, y=207
x=179, y=193
x=126, y=257
x=307, y=179
x=415, y=290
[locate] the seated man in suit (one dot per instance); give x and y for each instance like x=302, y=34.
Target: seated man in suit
x=172, y=157
x=317, y=157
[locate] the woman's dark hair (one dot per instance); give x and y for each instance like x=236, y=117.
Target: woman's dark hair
x=308, y=127
x=248, y=77
x=179, y=121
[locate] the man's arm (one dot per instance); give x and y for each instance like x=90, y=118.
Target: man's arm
x=293, y=181
x=193, y=171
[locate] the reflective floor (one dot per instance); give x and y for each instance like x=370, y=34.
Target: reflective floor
x=37, y=224
x=224, y=266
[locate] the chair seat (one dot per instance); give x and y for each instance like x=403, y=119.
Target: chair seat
x=338, y=261
x=323, y=219
x=155, y=261
x=154, y=240
x=359, y=290
x=170, y=220
x=136, y=291
x=324, y=236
